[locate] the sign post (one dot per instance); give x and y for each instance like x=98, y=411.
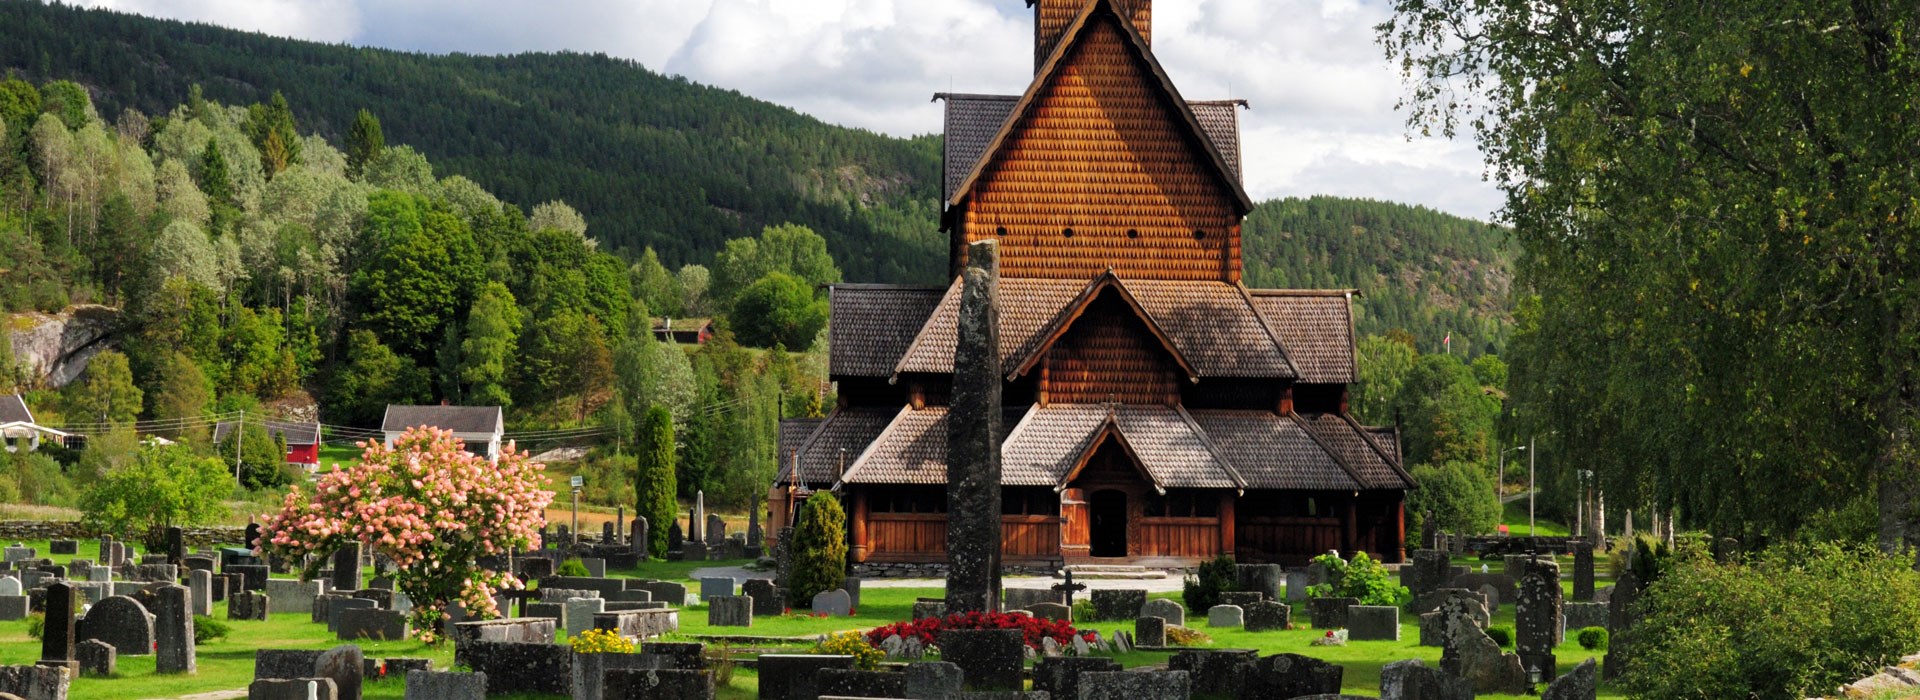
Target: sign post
x=574, y=534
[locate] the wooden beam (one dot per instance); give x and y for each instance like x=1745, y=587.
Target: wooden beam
x=1228, y=539
x=860, y=513
x=1352, y=541
x=1399, y=552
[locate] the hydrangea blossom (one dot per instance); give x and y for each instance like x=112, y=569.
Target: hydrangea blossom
x=429, y=506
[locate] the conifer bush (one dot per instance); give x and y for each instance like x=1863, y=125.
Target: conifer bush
x=656, y=487
x=819, y=549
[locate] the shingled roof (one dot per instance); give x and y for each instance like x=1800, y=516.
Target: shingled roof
x=459, y=419
x=873, y=324
x=1212, y=326
x=972, y=121
x=844, y=434
x=1374, y=466
x=14, y=410
x=1273, y=452
x=913, y=449
x=1316, y=328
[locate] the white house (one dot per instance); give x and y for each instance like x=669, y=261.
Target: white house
x=481, y=427
x=17, y=428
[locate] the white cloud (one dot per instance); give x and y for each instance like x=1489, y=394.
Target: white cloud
x=1322, y=94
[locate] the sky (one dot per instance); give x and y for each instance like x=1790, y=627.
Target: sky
x=1322, y=94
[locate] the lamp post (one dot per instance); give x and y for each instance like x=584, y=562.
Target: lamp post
x=1580, y=504
x=1502, y=478
x=1532, y=456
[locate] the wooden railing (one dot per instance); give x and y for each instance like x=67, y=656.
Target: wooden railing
x=1179, y=537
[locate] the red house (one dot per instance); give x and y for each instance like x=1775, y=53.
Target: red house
x=302, y=439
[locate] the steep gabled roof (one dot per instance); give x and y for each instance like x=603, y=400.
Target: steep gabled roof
x=972, y=122
x=1316, y=328
x=912, y=449
x=13, y=409
x=874, y=324
x=843, y=435
x=1093, y=10
x=1373, y=466
x=1273, y=452
x=1031, y=352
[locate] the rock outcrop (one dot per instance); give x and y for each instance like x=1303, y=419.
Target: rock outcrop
x=55, y=348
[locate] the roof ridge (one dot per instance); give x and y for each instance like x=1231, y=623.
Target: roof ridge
x=1064, y=318
x=1307, y=428
x=1233, y=472
x=888, y=286
x=1303, y=292
x=975, y=96
x=925, y=326
x=1392, y=461
x=860, y=459
x=1266, y=324
x=1069, y=39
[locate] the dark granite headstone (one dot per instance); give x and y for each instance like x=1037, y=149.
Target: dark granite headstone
x=1291, y=676
x=346, y=567
x=173, y=630
x=375, y=624
x=1131, y=685
x=176, y=545
x=1060, y=676
x=1150, y=631
x=1216, y=672
x=1264, y=579
x=1536, y=617
x=96, y=658
x=1582, y=683
x=254, y=576
x=657, y=684
x=767, y=599
x=991, y=659
x=855, y=683
x=57, y=636
x=119, y=621
x=1414, y=680
x=1622, y=615
x=252, y=538
x=791, y=676
x=1118, y=604
x=637, y=535
x=1582, y=572
x=1329, y=613
x=423, y=684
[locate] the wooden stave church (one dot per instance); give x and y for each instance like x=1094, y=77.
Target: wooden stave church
x=1158, y=412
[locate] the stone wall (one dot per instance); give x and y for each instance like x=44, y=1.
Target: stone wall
x=26, y=530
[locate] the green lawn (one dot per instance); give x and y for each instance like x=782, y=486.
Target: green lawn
x=228, y=664
x=1514, y=516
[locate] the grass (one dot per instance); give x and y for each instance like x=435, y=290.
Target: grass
x=1514, y=516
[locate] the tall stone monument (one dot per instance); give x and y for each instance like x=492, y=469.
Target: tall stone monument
x=973, y=440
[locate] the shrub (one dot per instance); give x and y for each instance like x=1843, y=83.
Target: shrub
x=599, y=641
x=1202, y=590
x=160, y=487
x=1033, y=629
x=207, y=629
x=1501, y=635
x=1084, y=610
x=1461, y=496
x=865, y=656
x=819, y=548
x=573, y=567
x=1593, y=638
x=36, y=625
x=1792, y=622
x=1362, y=578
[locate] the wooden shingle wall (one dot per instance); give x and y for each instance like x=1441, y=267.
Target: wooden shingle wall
x=1102, y=153
x=1051, y=18
x=1109, y=355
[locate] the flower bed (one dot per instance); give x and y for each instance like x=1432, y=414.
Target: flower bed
x=928, y=630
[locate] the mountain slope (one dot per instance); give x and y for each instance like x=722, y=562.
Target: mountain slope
x=1418, y=270
x=651, y=160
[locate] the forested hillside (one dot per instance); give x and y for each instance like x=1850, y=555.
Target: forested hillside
x=651, y=160
x=1419, y=271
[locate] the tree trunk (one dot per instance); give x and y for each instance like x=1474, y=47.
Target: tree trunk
x=1895, y=466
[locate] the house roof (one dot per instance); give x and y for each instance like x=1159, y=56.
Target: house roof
x=1316, y=328
x=1373, y=466
x=294, y=434
x=681, y=324
x=847, y=429
x=1273, y=452
x=912, y=449
x=459, y=419
x=972, y=122
x=13, y=409
x=1213, y=327
x=1105, y=11
x=873, y=324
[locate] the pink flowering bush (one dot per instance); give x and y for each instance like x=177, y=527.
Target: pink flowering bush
x=428, y=505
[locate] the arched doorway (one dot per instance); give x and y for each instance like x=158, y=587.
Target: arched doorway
x=1108, y=531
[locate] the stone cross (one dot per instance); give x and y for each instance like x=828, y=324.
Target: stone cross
x=973, y=440
x=1069, y=588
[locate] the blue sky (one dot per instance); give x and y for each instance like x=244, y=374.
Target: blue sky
x=1322, y=94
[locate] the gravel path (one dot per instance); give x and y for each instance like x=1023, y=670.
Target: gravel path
x=1160, y=585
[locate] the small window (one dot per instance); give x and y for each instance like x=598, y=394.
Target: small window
x=1002, y=231
x=1133, y=233
x=1067, y=232
x=1199, y=235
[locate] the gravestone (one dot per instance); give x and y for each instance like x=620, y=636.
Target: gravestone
x=14, y=604
x=1582, y=572
x=596, y=566
x=1537, y=628
x=716, y=531
x=1506, y=588
x=18, y=552
x=756, y=537
x=200, y=590
x=1579, y=616
x=834, y=603
x=1622, y=615
x=1373, y=623
x=934, y=680
x=1023, y=598
x=637, y=541
x=1243, y=598
x=290, y=596
x=445, y=685
x=248, y=605
x=1291, y=676
x=346, y=567
x=783, y=557
x=1226, y=616
x=1414, y=680
x=345, y=664
x=1051, y=611
x=34, y=682
x=791, y=676
x=252, y=536
x=339, y=607
x=372, y=623
x=1174, y=613
x=658, y=684
x=176, y=545
x=1265, y=579
x=253, y=577
x=666, y=591
x=676, y=542
x=1582, y=683
x=714, y=587
x=120, y=621
x=924, y=609
x=990, y=659
x=1130, y=685
x=1118, y=604
x=697, y=517
x=1297, y=583
x=1216, y=672
x=96, y=658
x=973, y=442
x=580, y=612
x=1471, y=655
x=767, y=600
x=1150, y=631
x=730, y=611
x=1060, y=677
x=856, y=683
x=293, y=689
x=1268, y=615
x=606, y=533
x=173, y=631
x=1329, y=613
x=200, y=563
x=56, y=637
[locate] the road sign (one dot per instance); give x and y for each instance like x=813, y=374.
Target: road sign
x=579, y=481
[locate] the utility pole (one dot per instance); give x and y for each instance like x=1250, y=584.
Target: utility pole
x=1532, y=457
x=239, y=435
